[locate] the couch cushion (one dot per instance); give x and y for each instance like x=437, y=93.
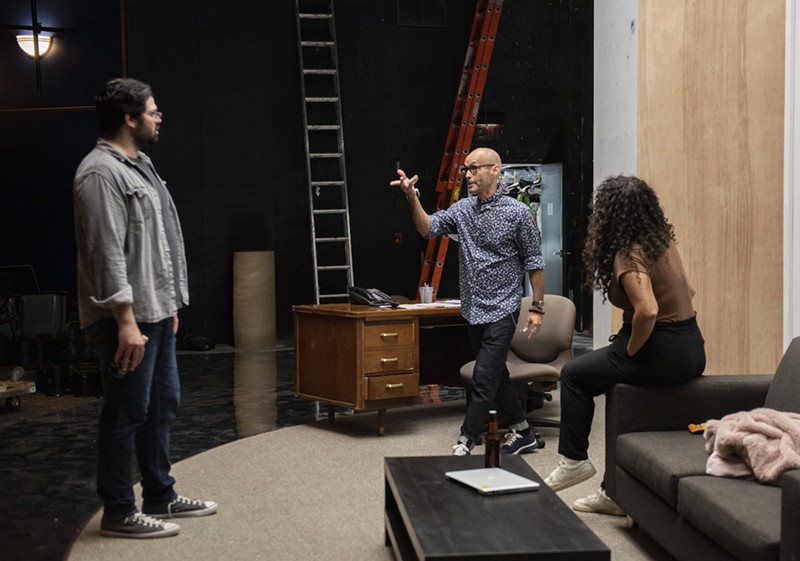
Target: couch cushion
x=660, y=459
x=742, y=516
x=784, y=391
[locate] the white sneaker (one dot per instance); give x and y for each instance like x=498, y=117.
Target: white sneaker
x=461, y=449
x=599, y=503
x=566, y=476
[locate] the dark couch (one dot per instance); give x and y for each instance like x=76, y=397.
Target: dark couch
x=655, y=468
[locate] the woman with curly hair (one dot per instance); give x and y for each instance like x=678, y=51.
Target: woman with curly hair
x=631, y=257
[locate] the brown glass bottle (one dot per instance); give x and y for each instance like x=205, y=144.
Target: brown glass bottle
x=492, y=442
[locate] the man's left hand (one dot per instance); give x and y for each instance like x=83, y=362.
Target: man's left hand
x=533, y=325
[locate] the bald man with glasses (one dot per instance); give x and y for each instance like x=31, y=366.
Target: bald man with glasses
x=499, y=244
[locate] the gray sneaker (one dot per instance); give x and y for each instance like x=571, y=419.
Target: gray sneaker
x=180, y=507
x=137, y=525
x=461, y=449
x=599, y=503
x=566, y=476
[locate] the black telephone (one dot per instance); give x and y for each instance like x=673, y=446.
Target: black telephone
x=370, y=297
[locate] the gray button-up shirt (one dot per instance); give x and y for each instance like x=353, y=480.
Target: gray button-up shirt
x=498, y=243
x=122, y=227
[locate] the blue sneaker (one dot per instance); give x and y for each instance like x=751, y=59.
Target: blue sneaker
x=518, y=443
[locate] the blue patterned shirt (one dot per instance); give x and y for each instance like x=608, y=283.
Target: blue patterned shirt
x=498, y=243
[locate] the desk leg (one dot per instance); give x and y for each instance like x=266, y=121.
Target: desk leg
x=381, y=421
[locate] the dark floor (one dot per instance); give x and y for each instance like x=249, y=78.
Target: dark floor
x=47, y=449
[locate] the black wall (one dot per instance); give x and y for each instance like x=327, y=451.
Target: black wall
x=226, y=76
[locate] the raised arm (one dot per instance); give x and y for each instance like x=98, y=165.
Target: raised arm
x=421, y=219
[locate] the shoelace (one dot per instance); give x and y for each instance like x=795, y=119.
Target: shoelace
x=460, y=450
x=183, y=501
x=512, y=437
x=144, y=520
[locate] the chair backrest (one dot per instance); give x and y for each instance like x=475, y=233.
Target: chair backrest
x=558, y=326
x=784, y=390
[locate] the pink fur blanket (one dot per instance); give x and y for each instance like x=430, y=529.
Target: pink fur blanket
x=760, y=444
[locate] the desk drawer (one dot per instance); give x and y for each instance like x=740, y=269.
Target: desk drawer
x=388, y=335
x=388, y=387
x=390, y=359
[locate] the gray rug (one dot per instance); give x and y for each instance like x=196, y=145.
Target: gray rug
x=316, y=491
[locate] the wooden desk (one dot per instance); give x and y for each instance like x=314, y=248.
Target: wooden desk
x=428, y=517
x=368, y=359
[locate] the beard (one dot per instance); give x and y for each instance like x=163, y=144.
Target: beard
x=145, y=138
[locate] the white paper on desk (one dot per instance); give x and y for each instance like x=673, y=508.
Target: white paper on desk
x=437, y=304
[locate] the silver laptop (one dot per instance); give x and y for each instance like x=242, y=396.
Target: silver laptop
x=492, y=481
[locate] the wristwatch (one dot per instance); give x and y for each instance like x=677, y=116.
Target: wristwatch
x=538, y=303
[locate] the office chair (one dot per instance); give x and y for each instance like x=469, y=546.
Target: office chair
x=535, y=364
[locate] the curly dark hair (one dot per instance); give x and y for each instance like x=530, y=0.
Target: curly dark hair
x=117, y=98
x=625, y=211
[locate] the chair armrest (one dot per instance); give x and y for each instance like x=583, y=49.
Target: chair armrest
x=636, y=409
x=790, y=516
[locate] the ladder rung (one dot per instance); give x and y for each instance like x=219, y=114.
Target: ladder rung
x=331, y=211
x=316, y=43
x=322, y=99
x=326, y=155
x=324, y=183
x=323, y=127
x=331, y=240
x=320, y=71
x=314, y=16
x=334, y=295
x=333, y=268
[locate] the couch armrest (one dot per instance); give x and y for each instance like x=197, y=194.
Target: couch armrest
x=790, y=516
x=637, y=409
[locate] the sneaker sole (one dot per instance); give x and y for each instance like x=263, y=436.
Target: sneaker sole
x=585, y=508
x=527, y=449
x=579, y=479
x=185, y=514
x=142, y=535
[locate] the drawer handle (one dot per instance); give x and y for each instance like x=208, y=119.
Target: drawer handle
x=385, y=360
x=394, y=386
x=388, y=334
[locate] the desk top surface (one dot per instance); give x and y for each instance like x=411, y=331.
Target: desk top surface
x=448, y=519
x=374, y=312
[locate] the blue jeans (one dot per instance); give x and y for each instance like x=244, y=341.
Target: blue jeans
x=136, y=416
x=491, y=385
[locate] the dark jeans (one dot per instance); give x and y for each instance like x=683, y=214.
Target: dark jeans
x=137, y=415
x=491, y=385
x=673, y=355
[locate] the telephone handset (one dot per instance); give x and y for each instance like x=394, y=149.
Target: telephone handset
x=370, y=297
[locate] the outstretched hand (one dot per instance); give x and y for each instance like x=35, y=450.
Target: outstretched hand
x=405, y=183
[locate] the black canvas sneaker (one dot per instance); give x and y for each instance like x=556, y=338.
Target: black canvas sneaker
x=180, y=507
x=137, y=525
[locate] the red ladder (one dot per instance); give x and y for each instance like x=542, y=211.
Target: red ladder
x=462, y=128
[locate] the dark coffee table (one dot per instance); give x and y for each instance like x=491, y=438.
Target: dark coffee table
x=428, y=516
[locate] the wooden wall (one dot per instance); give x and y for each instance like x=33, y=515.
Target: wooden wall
x=710, y=141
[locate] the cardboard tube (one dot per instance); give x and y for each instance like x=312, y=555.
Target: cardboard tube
x=254, y=300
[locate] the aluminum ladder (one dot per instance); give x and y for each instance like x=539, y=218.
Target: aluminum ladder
x=324, y=146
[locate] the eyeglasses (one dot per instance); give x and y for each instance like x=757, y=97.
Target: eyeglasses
x=155, y=114
x=473, y=169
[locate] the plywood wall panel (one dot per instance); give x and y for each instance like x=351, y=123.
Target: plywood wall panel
x=710, y=141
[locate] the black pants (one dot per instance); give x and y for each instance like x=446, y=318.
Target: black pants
x=673, y=355
x=491, y=385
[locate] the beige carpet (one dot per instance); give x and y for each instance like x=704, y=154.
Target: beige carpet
x=316, y=492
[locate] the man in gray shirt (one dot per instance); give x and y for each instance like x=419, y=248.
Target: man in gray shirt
x=132, y=281
x=498, y=244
